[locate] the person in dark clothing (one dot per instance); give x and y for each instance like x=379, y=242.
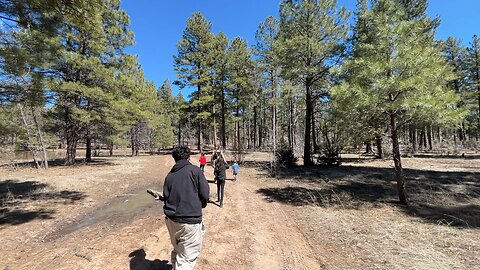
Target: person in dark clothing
x=220, y=177
x=185, y=192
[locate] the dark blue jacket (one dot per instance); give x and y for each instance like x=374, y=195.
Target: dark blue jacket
x=186, y=192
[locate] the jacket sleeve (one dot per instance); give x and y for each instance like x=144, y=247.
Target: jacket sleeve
x=203, y=189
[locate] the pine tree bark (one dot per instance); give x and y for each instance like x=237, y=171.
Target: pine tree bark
x=110, y=149
x=307, y=160
x=378, y=142
x=429, y=137
x=88, y=144
x=237, y=130
x=274, y=113
x=290, y=121
x=40, y=138
x=399, y=177
x=224, y=137
x=214, y=128
x=29, y=137
x=72, y=129
x=477, y=75
x=413, y=137
x=179, y=135
x=314, y=131
x=255, y=108
x=132, y=139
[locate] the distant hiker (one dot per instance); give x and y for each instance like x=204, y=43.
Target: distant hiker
x=203, y=161
x=220, y=177
x=185, y=192
x=235, y=170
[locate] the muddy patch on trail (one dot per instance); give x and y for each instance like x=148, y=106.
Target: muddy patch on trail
x=119, y=211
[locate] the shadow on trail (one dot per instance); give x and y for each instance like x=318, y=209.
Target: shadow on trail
x=139, y=262
x=450, y=198
x=23, y=201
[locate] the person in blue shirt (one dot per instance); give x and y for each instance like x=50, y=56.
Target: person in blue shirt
x=235, y=170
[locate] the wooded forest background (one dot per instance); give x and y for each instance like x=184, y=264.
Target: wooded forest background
x=312, y=86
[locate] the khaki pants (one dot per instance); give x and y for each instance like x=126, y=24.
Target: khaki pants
x=187, y=242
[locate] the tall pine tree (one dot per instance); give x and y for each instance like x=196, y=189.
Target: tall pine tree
x=397, y=74
x=312, y=33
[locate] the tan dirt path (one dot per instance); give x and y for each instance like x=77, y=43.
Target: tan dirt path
x=247, y=233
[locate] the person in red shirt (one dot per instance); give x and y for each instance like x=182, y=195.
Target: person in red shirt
x=203, y=161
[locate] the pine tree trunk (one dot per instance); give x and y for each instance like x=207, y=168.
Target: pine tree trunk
x=378, y=142
x=420, y=142
x=368, y=147
x=424, y=138
x=72, y=140
x=307, y=160
x=399, y=177
x=237, y=130
x=274, y=113
x=40, y=139
x=179, y=135
x=224, y=139
x=477, y=74
x=29, y=137
x=429, y=137
x=413, y=138
x=255, y=108
x=132, y=139
x=314, y=131
x=88, y=152
x=274, y=128
x=110, y=149
x=214, y=129
x=199, y=135
x=290, y=121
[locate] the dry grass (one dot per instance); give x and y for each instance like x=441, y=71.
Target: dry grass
x=351, y=217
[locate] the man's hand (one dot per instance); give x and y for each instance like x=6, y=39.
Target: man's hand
x=156, y=194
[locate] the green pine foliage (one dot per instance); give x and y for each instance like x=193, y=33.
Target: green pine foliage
x=472, y=91
x=193, y=65
x=396, y=75
x=311, y=42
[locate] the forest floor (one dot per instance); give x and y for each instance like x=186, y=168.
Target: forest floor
x=98, y=216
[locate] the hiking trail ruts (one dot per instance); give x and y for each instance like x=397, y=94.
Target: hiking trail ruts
x=249, y=232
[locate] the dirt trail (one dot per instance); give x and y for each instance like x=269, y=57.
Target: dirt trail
x=247, y=233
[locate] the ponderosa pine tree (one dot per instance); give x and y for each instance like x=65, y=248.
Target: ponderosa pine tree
x=311, y=42
x=265, y=36
x=28, y=47
x=193, y=65
x=86, y=69
x=221, y=75
x=455, y=55
x=240, y=66
x=397, y=70
x=473, y=75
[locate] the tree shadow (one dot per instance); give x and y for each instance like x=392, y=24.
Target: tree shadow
x=24, y=201
x=139, y=262
x=438, y=197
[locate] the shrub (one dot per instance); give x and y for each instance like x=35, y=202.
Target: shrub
x=285, y=157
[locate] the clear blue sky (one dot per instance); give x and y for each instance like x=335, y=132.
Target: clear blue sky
x=158, y=25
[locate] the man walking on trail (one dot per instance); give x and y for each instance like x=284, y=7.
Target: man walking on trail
x=186, y=192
